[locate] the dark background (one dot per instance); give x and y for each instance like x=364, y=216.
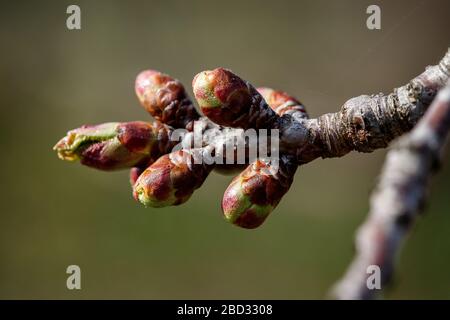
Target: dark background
x=54, y=213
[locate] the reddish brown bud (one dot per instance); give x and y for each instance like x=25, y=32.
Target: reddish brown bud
x=165, y=99
x=253, y=194
x=228, y=100
x=171, y=180
x=282, y=103
x=115, y=145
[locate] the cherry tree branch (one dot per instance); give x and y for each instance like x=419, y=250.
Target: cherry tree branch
x=163, y=173
x=397, y=200
x=366, y=123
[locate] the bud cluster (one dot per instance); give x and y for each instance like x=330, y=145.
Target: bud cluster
x=165, y=172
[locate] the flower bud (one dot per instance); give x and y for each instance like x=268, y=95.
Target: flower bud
x=171, y=180
x=114, y=145
x=230, y=101
x=253, y=194
x=282, y=103
x=165, y=99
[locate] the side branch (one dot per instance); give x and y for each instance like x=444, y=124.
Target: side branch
x=398, y=199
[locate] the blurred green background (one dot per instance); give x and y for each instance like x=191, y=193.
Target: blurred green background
x=54, y=213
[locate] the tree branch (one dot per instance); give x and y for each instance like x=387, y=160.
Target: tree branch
x=366, y=123
x=398, y=199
